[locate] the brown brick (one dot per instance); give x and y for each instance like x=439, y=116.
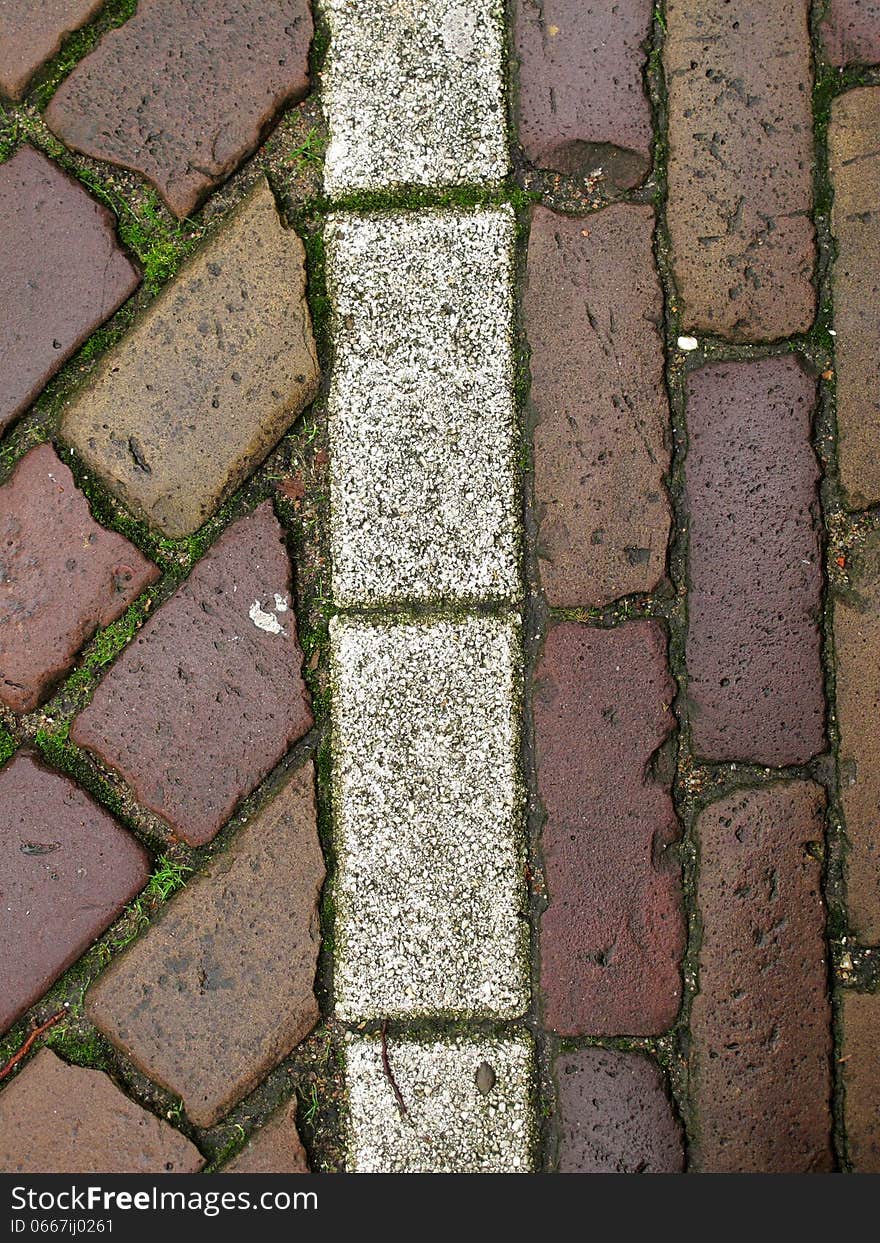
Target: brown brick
x=274, y=1149
x=860, y=1068
x=856, y=644
x=851, y=31
x=581, y=98
x=183, y=99
x=593, y=306
x=753, y=645
x=615, y=1116
x=68, y=870
x=854, y=153
x=613, y=934
x=31, y=32
x=61, y=577
x=760, y=1024
x=741, y=166
x=192, y=400
x=220, y=988
x=59, y=1119
x=62, y=275
x=207, y=698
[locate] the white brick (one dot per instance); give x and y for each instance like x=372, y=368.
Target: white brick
x=428, y=805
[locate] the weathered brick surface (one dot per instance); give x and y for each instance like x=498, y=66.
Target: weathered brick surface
x=183, y=99
x=851, y=31
x=275, y=1149
x=31, y=33
x=753, y=644
x=209, y=696
x=221, y=987
x=61, y=577
x=614, y=1115
x=62, y=275
x=741, y=166
x=856, y=644
x=68, y=870
x=854, y=154
x=190, y=402
x=860, y=1069
x=613, y=934
x=760, y=1024
x=59, y=1119
x=581, y=99
x=593, y=305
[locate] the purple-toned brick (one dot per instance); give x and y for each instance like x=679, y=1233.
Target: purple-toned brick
x=741, y=166
x=614, y=1115
x=581, y=98
x=860, y=1069
x=613, y=933
x=593, y=307
x=851, y=31
x=753, y=645
x=760, y=1042
x=31, y=32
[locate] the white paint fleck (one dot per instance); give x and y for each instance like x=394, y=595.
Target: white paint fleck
x=688, y=343
x=281, y=605
x=265, y=621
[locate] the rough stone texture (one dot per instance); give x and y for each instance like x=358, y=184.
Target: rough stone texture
x=274, y=1149
x=741, y=166
x=191, y=401
x=31, y=32
x=59, y=1119
x=854, y=156
x=581, y=100
x=760, y=1024
x=753, y=645
x=182, y=99
x=414, y=93
x=220, y=988
x=593, y=306
x=851, y=31
x=423, y=437
x=429, y=891
x=209, y=696
x=62, y=275
x=860, y=1068
x=61, y=577
x=68, y=870
x=856, y=644
x=615, y=1116
x=613, y=934
x=468, y=1101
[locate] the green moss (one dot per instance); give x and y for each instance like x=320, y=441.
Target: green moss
x=7, y=745
x=76, y=46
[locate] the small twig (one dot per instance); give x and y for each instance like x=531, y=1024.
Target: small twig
x=26, y=1047
x=389, y=1075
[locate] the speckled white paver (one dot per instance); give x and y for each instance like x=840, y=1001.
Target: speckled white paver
x=413, y=91
x=422, y=414
x=468, y=1106
x=430, y=883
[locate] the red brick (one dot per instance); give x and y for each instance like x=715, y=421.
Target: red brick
x=753, y=644
x=68, y=870
x=760, y=1024
x=860, y=1069
x=856, y=644
x=614, y=1115
x=58, y=1119
x=854, y=154
x=581, y=98
x=851, y=31
x=183, y=99
x=593, y=306
x=203, y=703
x=31, y=33
x=613, y=934
x=61, y=577
x=741, y=166
x=62, y=275
x=274, y=1149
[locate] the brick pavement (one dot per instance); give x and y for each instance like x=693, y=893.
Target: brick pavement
x=438, y=602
